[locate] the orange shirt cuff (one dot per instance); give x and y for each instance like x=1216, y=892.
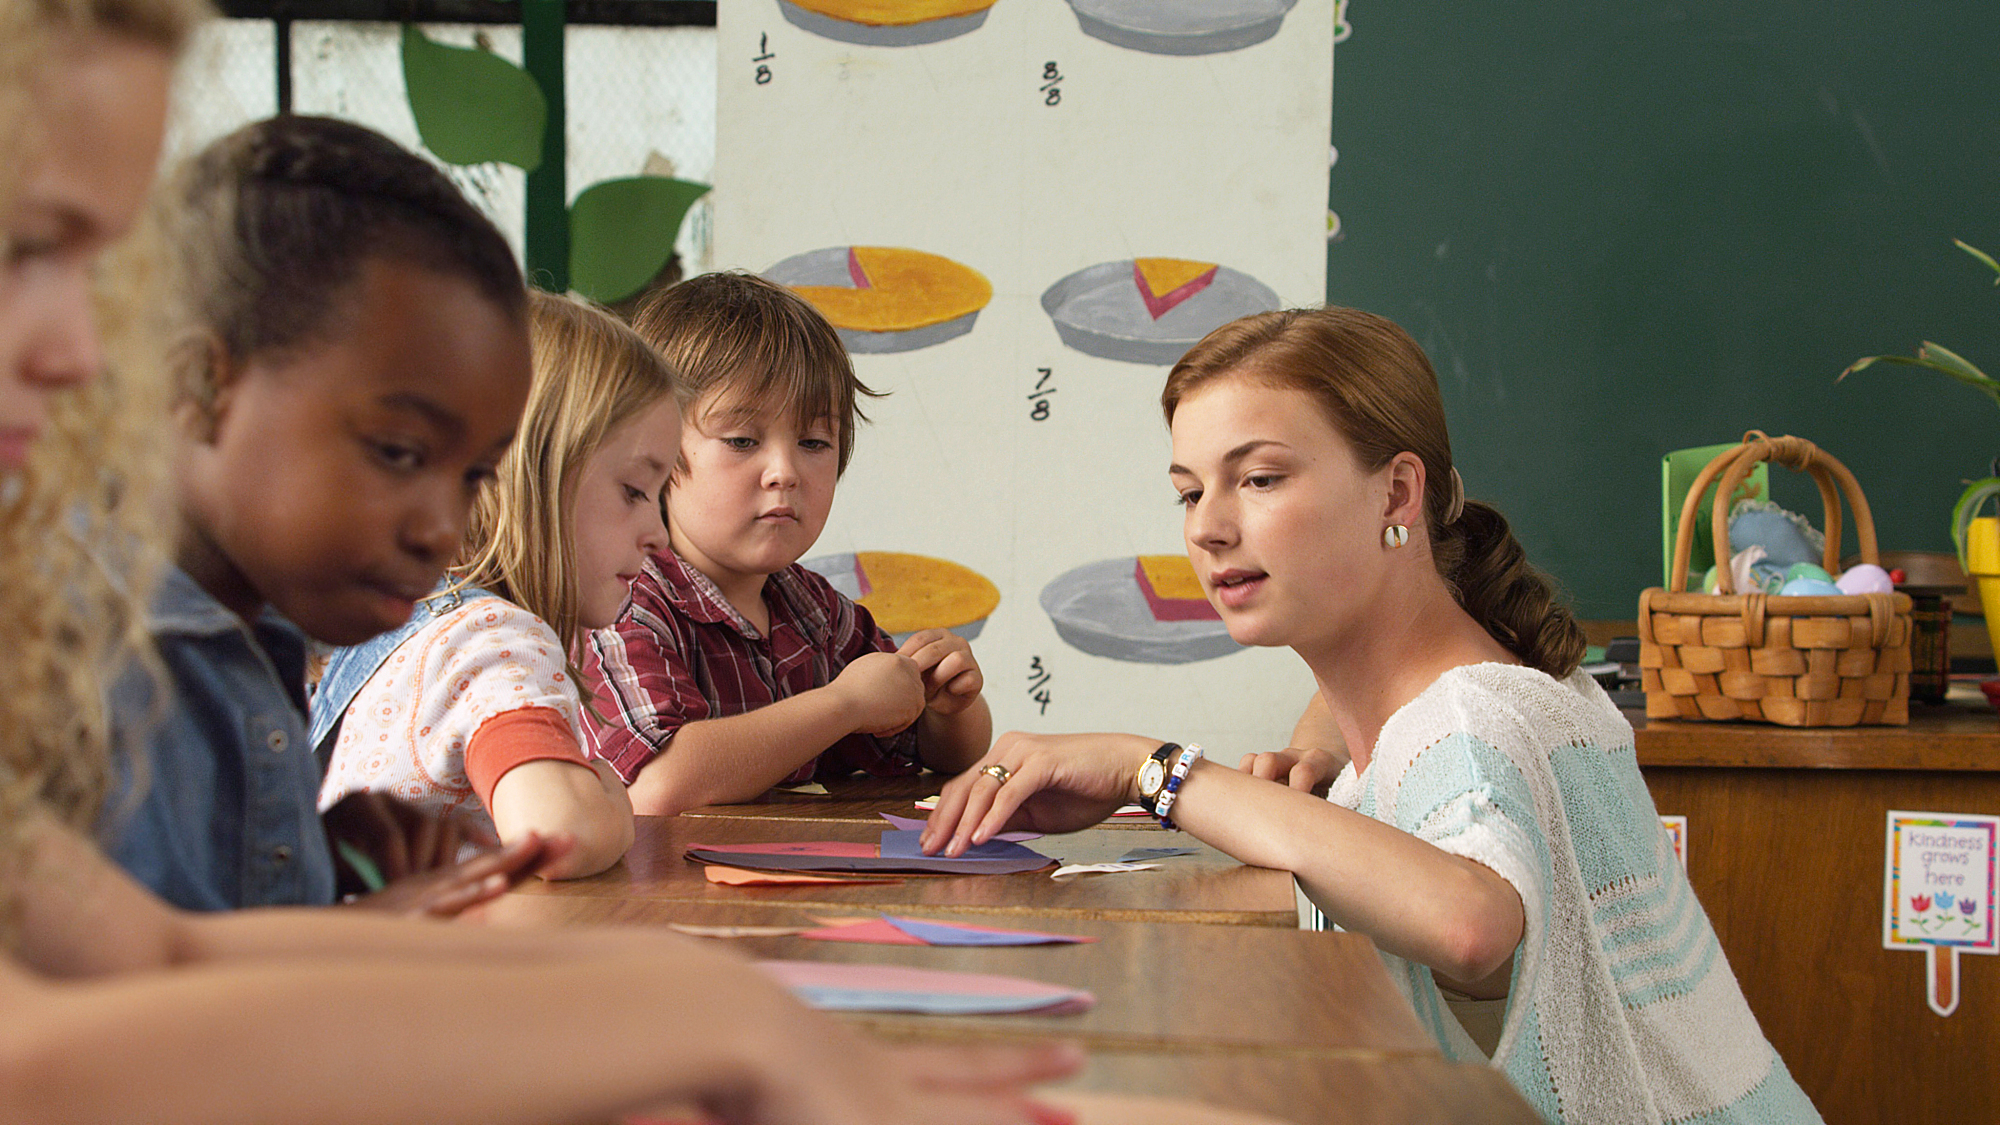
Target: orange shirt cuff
x=510, y=738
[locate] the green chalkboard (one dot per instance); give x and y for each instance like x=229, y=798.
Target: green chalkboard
x=1623, y=227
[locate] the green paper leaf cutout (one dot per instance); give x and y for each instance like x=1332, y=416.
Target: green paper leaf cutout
x=622, y=231
x=472, y=106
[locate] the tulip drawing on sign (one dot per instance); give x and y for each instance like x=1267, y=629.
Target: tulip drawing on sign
x=1968, y=907
x=1943, y=901
x=1920, y=903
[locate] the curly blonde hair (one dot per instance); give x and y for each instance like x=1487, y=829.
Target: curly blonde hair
x=80, y=523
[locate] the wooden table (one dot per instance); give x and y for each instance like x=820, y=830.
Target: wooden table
x=1245, y=1012
x=1209, y=887
x=1785, y=850
x=1178, y=989
x=858, y=800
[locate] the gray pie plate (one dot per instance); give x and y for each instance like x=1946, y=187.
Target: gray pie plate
x=881, y=35
x=1098, y=608
x=829, y=267
x=1098, y=311
x=1181, y=27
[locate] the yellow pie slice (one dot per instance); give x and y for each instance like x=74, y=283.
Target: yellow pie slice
x=893, y=13
x=1166, y=282
x=896, y=290
x=907, y=593
x=1172, y=591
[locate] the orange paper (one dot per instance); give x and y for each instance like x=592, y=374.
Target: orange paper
x=738, y=877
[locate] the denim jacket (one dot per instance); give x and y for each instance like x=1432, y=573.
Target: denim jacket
x=229, y=816
x=349, y=669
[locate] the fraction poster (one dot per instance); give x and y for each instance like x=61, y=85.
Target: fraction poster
x=1018, y=214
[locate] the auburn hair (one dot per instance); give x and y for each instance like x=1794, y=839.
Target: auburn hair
x=1378, y=390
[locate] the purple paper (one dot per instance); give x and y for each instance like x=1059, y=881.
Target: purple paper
x=951, y=933
x=901, y=843
x=795, y=861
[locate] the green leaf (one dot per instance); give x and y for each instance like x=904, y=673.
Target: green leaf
x=622, y=231
x=1963, y=372
x=1981, y=255
x=471, y=106
x=1963, y=512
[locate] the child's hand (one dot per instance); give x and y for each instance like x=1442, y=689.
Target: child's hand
x=952, y=679
x=886, y=691
x=1310, y=771
x=396, y=836
x=444, y=892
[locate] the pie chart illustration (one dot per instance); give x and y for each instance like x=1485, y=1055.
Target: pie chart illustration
x=1150, y=310
x=886, y=23
x=884, y=298
x=910, y=593
x=1148, y=609
x=1181, y=27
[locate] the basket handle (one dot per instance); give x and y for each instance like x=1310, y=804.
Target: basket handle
x=1733, y=466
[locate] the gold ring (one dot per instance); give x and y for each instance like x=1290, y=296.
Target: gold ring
x=997, y=772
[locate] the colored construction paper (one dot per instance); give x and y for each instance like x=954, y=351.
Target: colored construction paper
x=896, y=988
x=874, y=931
x=933, y=932
x=738, y=877
x=830, y=855
x=621, y=232
x=917, y=824
x=473, y=106
x=1140, y=855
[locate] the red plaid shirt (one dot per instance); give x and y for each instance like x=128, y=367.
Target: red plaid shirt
x=680, y=653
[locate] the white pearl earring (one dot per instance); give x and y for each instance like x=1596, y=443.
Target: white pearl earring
x=1395, y=535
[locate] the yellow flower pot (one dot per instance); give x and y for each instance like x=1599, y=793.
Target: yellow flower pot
x=1982, y=564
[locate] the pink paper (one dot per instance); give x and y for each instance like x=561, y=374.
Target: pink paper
x=876, y=932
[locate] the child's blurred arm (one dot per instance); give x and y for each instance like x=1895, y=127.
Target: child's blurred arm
x=732, y=759
x=957, y=726
x=279, y=1014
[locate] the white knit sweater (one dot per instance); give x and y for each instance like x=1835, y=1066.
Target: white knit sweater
x=1622, y=1006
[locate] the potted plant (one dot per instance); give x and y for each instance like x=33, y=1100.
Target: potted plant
x=1976, y=537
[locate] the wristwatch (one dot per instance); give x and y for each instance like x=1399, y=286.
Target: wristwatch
x=1152, y=776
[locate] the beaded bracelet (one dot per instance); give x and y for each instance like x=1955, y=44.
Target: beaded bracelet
x=1164, y=805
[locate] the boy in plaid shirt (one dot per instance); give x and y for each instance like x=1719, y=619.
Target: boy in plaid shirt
x=733, y=668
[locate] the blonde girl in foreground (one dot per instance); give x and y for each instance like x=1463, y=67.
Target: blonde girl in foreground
x=1492, y=833
x=119, y=1008
x=471, y=706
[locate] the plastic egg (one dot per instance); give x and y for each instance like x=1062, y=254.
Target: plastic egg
x=1797, y=571
x=1708, y=581
x=1809, y=588
x=1865, y=578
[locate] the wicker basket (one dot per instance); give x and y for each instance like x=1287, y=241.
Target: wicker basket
x=1796, y=661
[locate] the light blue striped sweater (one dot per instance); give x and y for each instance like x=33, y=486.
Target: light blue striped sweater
x=1622, y=1007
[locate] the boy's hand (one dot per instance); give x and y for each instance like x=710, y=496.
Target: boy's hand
x=885, y=689
x=444, y=892
x=396, y=836
x=952, y=679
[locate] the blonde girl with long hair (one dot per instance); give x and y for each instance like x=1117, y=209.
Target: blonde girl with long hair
x=117, y=1007
x=471, y=707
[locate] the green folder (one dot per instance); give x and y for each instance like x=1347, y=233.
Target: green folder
x=1677, y=472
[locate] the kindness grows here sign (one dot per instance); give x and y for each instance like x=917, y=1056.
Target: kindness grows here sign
x=1940, y=875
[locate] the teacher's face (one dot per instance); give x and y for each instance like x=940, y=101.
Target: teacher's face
x=99, y=105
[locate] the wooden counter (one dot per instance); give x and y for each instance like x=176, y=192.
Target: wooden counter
x=1785, y=850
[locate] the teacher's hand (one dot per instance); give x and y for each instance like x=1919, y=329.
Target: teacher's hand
x=1053, y=783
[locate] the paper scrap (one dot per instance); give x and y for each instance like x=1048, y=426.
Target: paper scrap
x=841, y=856
x=902, y=843
x=1140, y=855
x=895, y=988
x=933, y=932
x=869, y=931
x=1099, y=868
x=809, y=789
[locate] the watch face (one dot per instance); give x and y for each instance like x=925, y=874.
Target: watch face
x=1152, y=776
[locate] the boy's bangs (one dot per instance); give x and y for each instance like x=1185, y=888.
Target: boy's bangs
x=790, y=391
